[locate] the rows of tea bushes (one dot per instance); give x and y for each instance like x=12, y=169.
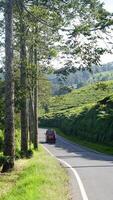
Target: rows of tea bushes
x=79, y=97
x=91, y=121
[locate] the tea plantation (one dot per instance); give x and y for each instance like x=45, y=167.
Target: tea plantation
x=86, y=113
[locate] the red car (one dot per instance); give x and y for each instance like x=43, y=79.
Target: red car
x=50, y=136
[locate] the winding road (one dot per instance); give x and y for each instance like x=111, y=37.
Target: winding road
x=91, y=172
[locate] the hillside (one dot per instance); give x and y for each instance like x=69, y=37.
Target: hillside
x=86, y=113
x=79, y=97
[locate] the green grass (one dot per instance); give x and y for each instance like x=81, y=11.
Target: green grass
x=40, y=178
x=94, y=146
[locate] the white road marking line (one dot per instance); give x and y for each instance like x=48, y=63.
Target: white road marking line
x=82, y=190
x=48, y=151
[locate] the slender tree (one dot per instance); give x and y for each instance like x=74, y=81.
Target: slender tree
x=36, y=101
x=31, y=95
x=23, y=81
x=9, y=147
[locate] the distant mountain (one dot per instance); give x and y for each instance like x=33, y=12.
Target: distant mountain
x=81, y=78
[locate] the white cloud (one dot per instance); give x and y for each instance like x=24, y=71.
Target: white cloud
x=108, y=5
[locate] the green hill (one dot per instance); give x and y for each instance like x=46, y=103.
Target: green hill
x=86, y=113
x=85, y=95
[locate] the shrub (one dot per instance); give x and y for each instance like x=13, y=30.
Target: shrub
x=17, y=154
x=86, y=112
x=27, y=154
x=92, y=122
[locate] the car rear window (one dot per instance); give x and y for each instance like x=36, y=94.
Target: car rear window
x=50, y=132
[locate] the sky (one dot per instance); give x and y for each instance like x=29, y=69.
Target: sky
x=108, y=4
x=106, y=58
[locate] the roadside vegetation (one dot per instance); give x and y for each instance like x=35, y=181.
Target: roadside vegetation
x=87, y=111
x=41, y=178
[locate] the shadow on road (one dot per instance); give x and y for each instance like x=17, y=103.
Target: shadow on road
x=76, y=151
x=79, y=151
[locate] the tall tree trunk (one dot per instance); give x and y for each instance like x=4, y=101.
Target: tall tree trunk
x=36, y=102
x=31, y=120
x=31, y=109
x=9, y=147
x=23, y=63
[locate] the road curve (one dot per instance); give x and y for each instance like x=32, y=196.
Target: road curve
x=95, y=170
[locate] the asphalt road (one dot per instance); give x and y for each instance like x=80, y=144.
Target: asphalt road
x=95, y=170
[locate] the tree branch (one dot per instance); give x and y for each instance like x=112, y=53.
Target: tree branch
x=34, y=17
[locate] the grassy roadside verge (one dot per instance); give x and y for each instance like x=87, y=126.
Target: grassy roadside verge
x=94, y=146
x=40, y=177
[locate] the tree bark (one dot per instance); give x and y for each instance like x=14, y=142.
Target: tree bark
x=23, y=64
x=31, y=121
x=36, y=103
x=9, y=143
x=31, y=99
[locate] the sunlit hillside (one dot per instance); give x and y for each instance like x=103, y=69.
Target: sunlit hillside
x=86, y=113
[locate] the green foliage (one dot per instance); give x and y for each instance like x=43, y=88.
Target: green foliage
x=85, y=117
x=82, y=77
x=101, y=86
x=53, y=53
x=44, y=92
x=17, y=140
x=78, y=97
x=92, y=145
x=27, y=154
